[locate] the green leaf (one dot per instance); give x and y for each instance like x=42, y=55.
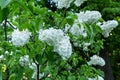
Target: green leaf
x=0, y=72
x=4, y=3
x=22, y=5
x=71, y=78
x=82, y=78
x=12, y=77
x=3, y=14
x=47, y=79
x=0, y=15
x=39, y=58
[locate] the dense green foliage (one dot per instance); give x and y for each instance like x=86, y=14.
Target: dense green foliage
x=33, y=15
x=110, y=10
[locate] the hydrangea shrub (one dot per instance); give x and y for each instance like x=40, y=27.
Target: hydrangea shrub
x=45, y=44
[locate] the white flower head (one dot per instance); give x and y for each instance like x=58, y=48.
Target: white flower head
x=63, y=3
x=96, y=60
x=96, y=78
x=79, y=2
x=108, y=26
x=34, y=75
x=89, y=16
x=24, y=60
x=78, y=29
x=64, y=48
x=57, y=39
x=51, y=36
x=20, y=38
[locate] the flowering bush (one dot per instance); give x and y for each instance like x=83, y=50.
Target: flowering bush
x=51, y=44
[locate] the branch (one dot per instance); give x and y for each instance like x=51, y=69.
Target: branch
x=38, y=72
x=11, y=25
x=5, y=29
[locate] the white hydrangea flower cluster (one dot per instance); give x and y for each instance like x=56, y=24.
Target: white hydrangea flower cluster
x=89, y=16
x=96, y=78
x=96, y=60
x=66, y=3
x=63, y=3
x=108, y=26
x=34, y=67
x=51, y=36
x=79, y=2
x=78, y=29
x=24, y=60
x=64, y=47
x=19, y=38
x=57, y=39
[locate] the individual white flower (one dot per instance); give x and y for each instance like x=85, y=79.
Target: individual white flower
x=6, y=52
x=96, y=60
x=63, y=3
x=89, y=16
x=1, y=57
x=108, y=26
x=15, y=17
x=67, y=27
x=11, y=53
x=20, y=38
x=34, y=67
x=57, y=39
x=96, y=78
x=24, y=60
x=79, y=2
x=85, y=46
x=75, y=44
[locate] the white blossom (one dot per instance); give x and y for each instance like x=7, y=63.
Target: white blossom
x=34, y=75
x=24, y=60
x=67, y=27
x=79, y=2
x=1, y=57
x=76, y=44
x=96, y=78
x=57, y=39
x=89, y=16
x=19, y=38
x=78, y=29
x=64, y=48
x=51, y=36
x=96, y=60
x=63, y=3
x=6, y=52
x=108, y=26
x=85, y=46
